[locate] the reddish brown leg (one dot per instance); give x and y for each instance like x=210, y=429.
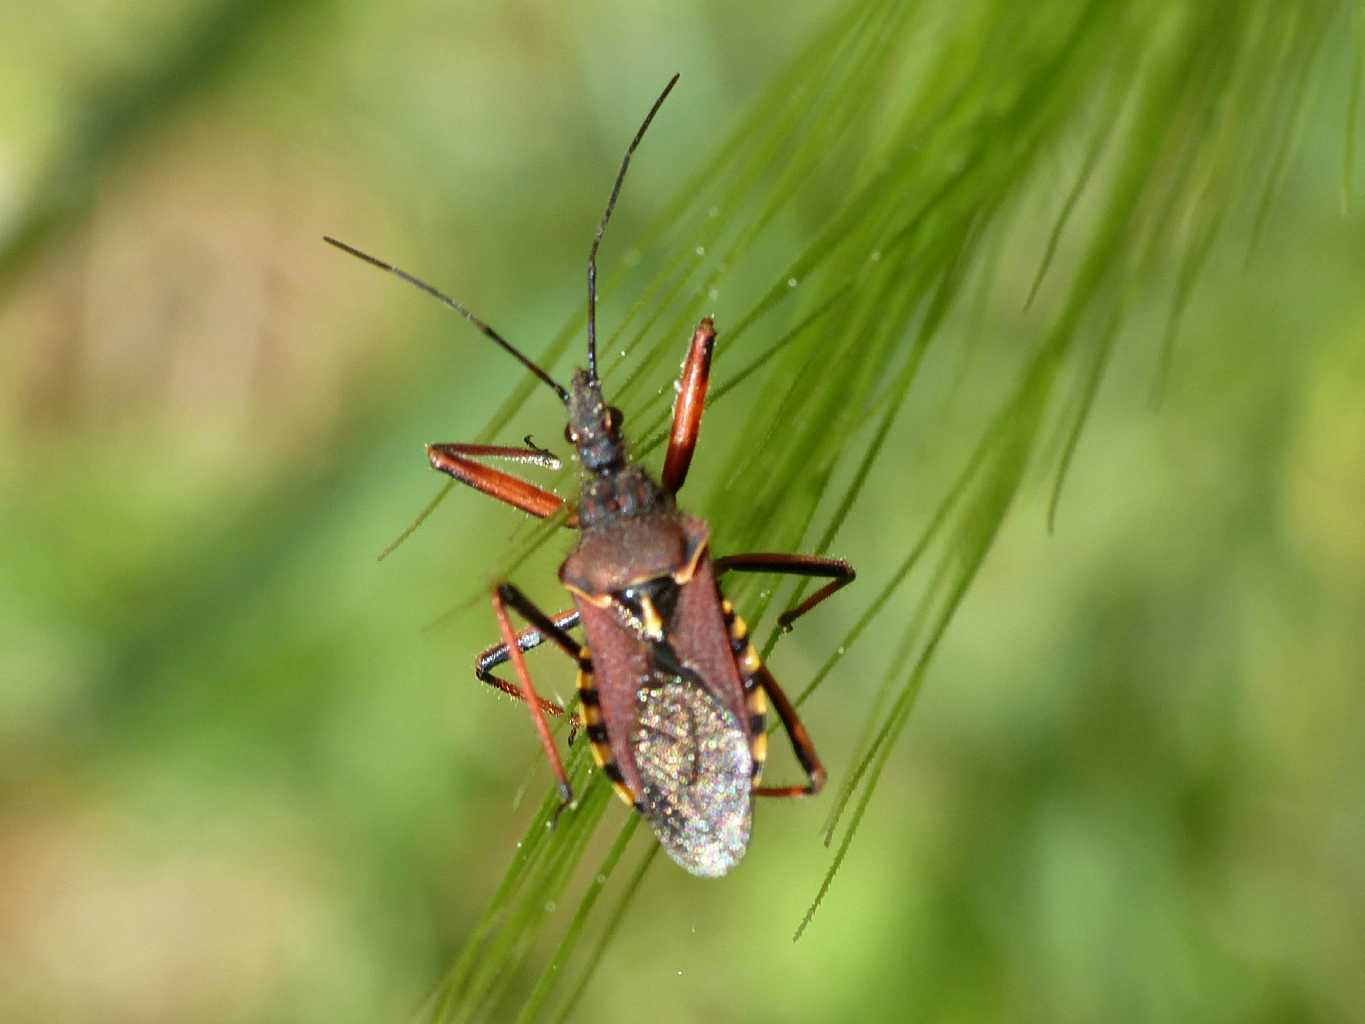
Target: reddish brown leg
x=687, y=409
x=839, y=573
x=506, y=594
x=527, y=639
x=458, y=461
x=801, y=744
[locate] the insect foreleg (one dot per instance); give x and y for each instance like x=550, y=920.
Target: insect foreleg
x=459, y=461
x=688, y=406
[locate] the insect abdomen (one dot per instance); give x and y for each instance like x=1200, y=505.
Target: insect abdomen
x=755, y=702
x=599, y=740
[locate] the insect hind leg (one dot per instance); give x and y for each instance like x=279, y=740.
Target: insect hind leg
x=800, y=740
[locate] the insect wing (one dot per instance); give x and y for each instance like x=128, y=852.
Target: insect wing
x=695, y=772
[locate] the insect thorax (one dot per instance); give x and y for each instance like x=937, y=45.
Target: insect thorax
x=624, y=494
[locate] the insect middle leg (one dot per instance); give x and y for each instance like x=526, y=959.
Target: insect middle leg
x=506, y=595
x=528, y=639
x=459, y=461
x=839, y=573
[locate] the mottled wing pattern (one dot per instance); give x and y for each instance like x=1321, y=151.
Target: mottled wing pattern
x=695, y=772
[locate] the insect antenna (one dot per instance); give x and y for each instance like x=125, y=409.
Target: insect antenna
x=447, y=300
x=606, y=216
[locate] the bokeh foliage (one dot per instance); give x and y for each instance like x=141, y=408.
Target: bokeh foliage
x=1045, y=316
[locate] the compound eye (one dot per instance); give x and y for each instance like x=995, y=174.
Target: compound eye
x=569, y=435
x=615, y=417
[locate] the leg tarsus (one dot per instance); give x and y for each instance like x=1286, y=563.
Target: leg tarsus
x=566, y=801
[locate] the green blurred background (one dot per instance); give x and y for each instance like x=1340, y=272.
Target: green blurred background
x=243, y=780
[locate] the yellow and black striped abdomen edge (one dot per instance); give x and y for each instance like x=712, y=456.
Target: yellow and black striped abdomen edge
x=596, y=728
x=755, y=700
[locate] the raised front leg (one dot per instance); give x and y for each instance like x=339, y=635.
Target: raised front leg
x=687, y=409
x=839, y=573
x=458, y=461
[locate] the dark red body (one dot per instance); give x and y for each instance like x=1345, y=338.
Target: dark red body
x=675, y=546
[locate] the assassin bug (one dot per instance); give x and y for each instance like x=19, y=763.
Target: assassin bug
x=674, y=697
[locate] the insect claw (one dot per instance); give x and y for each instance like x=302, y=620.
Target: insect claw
x=566, y=802
x=546, y=458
